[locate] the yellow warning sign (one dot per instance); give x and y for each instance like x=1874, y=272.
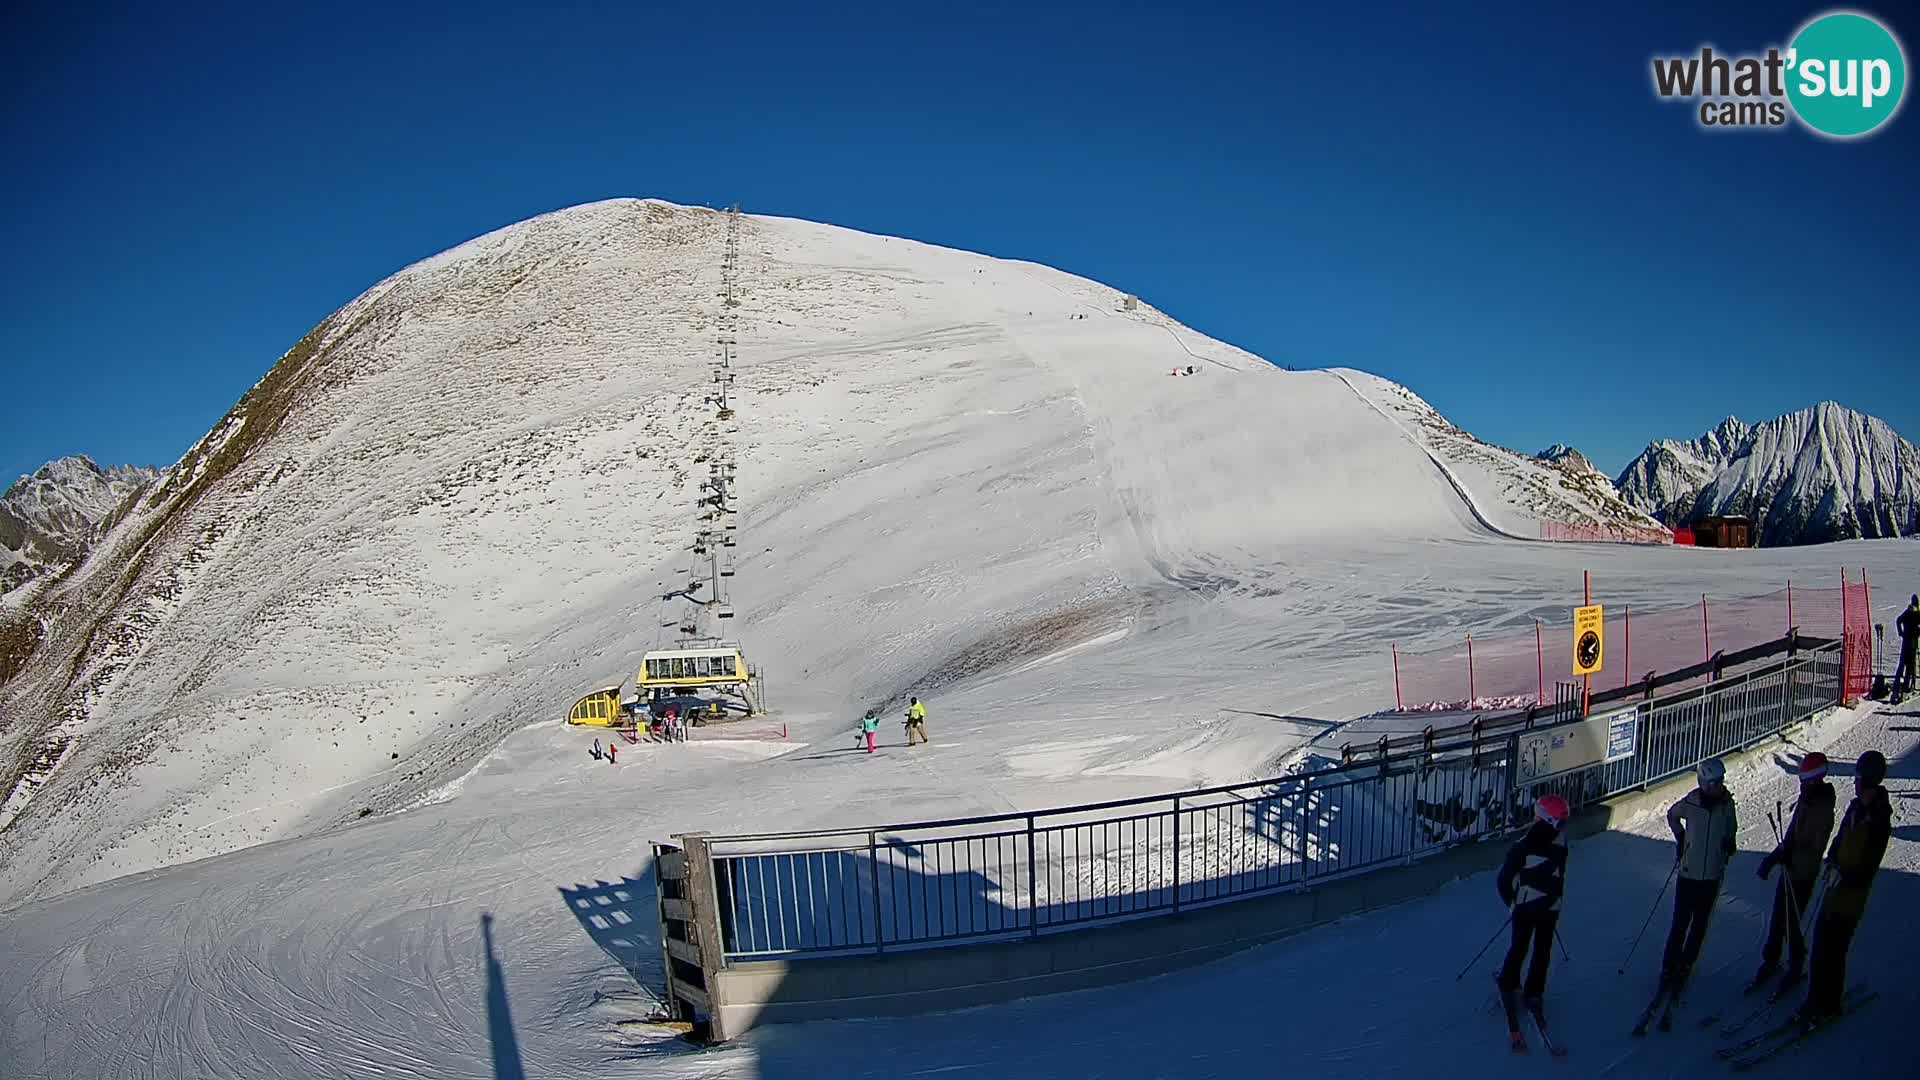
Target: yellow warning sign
x=1589, y=640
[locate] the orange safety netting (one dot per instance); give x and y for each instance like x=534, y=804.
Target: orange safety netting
x=1505, y=670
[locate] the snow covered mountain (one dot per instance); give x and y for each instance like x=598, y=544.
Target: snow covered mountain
x=457, y=504
x=1669, y=473
x=1818, y=475
x=463, y=499
x=49, y=520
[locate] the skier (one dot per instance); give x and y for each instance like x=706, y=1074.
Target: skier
x=1909, y=626
x=916, y=721
x=596, y=749
x=1799, y=851
x=613, y=753
x=1704, y=825
x=869, y=724
x=1851, y=864
x=1530, y=883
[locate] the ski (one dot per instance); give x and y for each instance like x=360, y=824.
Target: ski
x=1753, y=987
x=1800, y=1033
x=1646, y=1017
x=1745, y=1021
x=1673, y=1002
x=1517, y=1041
x=1784, y=1027
x=1539, y=1018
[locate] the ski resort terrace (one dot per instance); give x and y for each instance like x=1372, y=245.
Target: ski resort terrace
x=944, y=914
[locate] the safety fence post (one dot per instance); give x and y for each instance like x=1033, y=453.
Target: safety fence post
x=1626, y=666
x=1398, y=705
x=1706, y=629
x=1470, y=694
x=1176, y=853
x=1846, y=646
x=1539, y=666
x=1866, y=599
x=1033, y=886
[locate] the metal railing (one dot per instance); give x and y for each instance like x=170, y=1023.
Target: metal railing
x=976, y=879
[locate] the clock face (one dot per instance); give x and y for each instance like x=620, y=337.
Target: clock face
x=1588, y=649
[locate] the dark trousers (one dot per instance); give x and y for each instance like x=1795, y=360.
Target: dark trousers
x=1903, y=673
x=1785, y=924
x=1535, y=929
x=1692, y=904
x=1831, y=939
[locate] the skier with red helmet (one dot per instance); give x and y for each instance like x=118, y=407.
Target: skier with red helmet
x=1799, y=850
x=1530, y=883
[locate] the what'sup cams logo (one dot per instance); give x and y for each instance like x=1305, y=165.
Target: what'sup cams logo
x=1843, y=76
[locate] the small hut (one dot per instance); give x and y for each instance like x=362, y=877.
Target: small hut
x=1723, y=532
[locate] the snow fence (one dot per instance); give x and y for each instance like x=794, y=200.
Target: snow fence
x=1514, y=670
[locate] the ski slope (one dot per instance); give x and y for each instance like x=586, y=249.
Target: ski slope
x=458, y=504
x=314, y=736
x=361, y=953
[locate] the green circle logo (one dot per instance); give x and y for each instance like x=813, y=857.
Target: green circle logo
x=1846, y=74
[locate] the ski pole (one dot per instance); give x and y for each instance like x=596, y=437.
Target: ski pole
x=1650, y=915
x=1484, y=948
x=1563, y=945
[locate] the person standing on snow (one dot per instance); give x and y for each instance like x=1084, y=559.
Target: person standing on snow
x=1851, y=865
x=1799, y=851
x=1530, y=883
x=1909, y=626
x=869, y=724
x=916, y=721
x=1704, y=825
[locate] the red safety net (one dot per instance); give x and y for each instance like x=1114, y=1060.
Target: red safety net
x=1593, y=533
x=1510, y=670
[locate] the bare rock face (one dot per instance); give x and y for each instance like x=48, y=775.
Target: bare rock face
x=49, y=520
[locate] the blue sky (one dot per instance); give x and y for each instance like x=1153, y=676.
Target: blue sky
x=1488, y=204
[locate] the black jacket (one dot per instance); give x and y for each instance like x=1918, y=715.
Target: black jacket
x=1909, y=626
x=1805, y=840
x=1535, y=873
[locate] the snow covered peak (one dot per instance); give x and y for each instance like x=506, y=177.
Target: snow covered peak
x=1820, y=474
x=469, y=496
x=1823, y=473
x=1667, y=475
x=1566, y=457
x=48, y=519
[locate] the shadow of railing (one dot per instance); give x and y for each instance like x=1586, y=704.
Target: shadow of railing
x=623, y=918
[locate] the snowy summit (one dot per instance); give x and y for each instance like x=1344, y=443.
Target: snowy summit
x=1818, y=475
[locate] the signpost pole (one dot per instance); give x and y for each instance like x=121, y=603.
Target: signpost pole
x=1586, y=681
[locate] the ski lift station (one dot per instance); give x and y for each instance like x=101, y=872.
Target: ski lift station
x=706, y=682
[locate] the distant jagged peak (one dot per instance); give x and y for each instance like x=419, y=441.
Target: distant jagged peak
x=1567, y=458
x=49, y=517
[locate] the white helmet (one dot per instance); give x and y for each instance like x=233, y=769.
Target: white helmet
x=1712, y=771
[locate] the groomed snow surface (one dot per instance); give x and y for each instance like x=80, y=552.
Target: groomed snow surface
x=361, y=953
x=966, y=478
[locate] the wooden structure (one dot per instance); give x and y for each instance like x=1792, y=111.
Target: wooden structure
x=1723, y=532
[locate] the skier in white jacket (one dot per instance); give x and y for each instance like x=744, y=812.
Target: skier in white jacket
x=1704, y=827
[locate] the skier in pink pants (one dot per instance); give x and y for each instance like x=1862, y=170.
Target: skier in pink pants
x=869, y=724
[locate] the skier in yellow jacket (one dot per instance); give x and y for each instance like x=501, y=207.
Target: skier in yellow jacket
x=916, y=721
